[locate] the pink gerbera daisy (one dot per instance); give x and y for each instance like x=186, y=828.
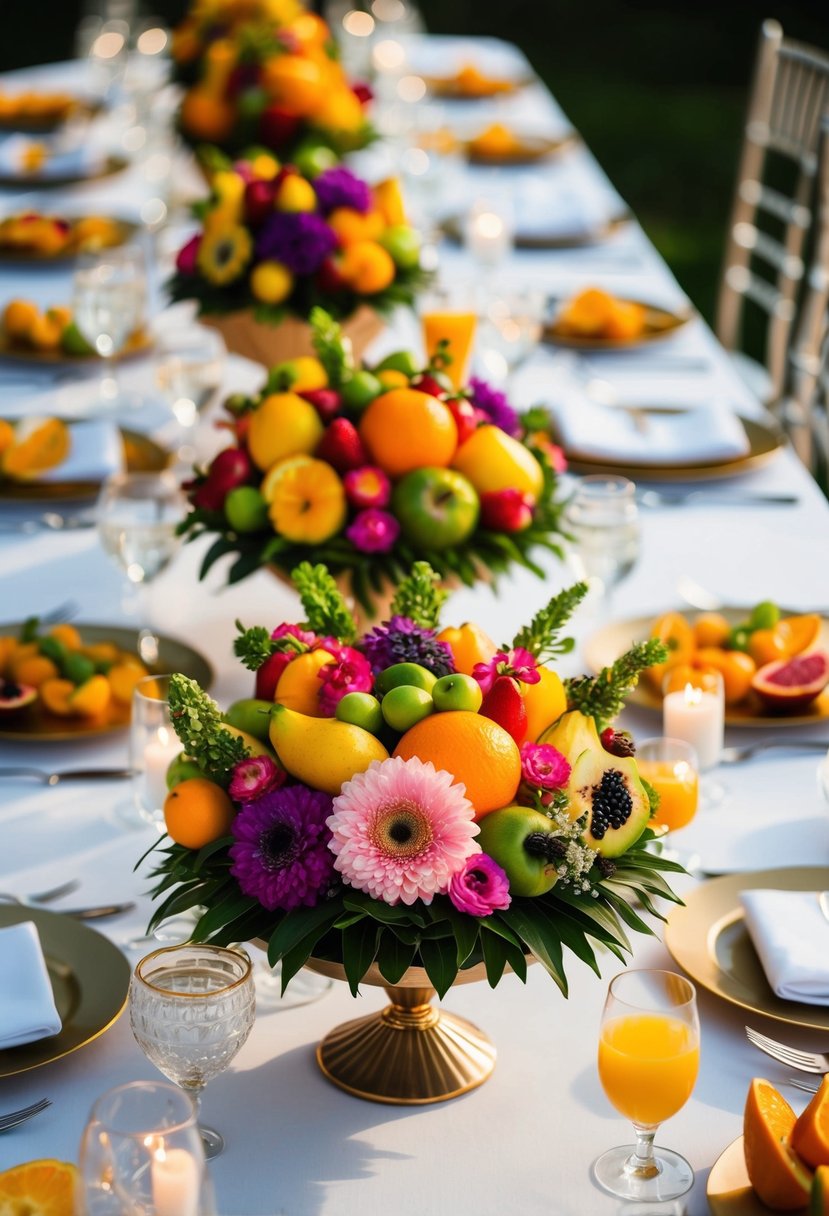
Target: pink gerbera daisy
x=401, y=830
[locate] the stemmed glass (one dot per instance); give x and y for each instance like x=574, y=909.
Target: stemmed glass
x=109, y=300
x=189, y=370
x=510, y=330
x=648, y=1064
x=191, y=1009
x=141, y=1152
x=137, y=515
x=602, y=520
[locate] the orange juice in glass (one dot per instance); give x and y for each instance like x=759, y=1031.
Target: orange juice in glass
x=648, y=1064
x=456, y=328
x=672, y=768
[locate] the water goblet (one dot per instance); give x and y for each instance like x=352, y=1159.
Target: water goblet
x=109, y=299
x=192, y=1008
x=648, y=1064
x=602, y=520
x=141, y=1151
x=189, y=369
x=511, y=326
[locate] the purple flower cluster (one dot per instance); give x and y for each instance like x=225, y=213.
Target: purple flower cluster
x=401, y=641
x=281, y=855
x=299, y=240
x=495, y=406
x=338, y=187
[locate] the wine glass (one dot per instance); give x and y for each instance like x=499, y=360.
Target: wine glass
x=109, y=299
x=189, y=370
x=648, y=1064
x=141, y=1152
x=192, y=1008
x=138, y=515
x=602, y=520
x=511, y=326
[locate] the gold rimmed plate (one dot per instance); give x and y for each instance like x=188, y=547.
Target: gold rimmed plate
x=728, y=1191
x=137, y=345
x=10, y=256
x=709, y=940
x=526, y=150
x=34, y=724
x=90, y=980
x=453, y=228
x=611, y=641
x=451, y=88
x=765, y=440
x=659, y=324
x=47, y=181
x=141, y=455
x=80, y=109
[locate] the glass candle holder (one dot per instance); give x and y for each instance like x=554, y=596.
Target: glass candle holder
x=153, y=745
x=672, y=768
x=489, y=233
x=602, y=520
x=141, y=1152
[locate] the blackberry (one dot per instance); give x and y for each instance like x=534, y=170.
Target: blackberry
x=606, y=867
x=611, y=803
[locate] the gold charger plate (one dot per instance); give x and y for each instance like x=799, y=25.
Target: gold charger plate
x=90, y=979
x=528, y=149
x=12, y=257
x=729, y=1192
x=660, y=323
x=81, y=109
x=608, y=643
x=765, y=440
x=35, y=725
x=141, y=455
x=46, y=181
x=450, y=89
x=137, y=344
x=709, y=940
x=453, y=227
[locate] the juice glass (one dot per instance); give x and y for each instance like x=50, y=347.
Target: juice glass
x=648, y=1063
x=457, y=328
x=671, y=767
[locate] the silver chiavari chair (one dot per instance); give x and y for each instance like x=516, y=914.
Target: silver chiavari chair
x=769, y=222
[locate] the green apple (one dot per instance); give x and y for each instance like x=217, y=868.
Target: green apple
x=519, y=838
x=360, y=390
x=405, y=673
x=251, y=716
x=312, y=158
x=181, y=768
x=457, y=692
x=406, y=705
x=361, y=709
x=403, y=243
x=399, y=361
x=436, y=508
x=246, y=509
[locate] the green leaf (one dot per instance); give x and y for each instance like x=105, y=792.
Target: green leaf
x=465, y=928
x=534, y=930
x=499, y=951
x=390, y=914
x=394, y=957
x=298, y=923
x=359, y=946
x=440, y=960
x=540, y=637
x=296, y=958
x=233, y=904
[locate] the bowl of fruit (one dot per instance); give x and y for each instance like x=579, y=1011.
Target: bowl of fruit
x=31, y=236
x=32, y=335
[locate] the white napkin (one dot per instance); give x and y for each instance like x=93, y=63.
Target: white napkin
x=96, y=450
x=81, y=161
x=791, y=936
x=27, y=1007
x=701, y=432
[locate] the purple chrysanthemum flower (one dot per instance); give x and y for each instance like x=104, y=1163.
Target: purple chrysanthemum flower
x=495, y=405
x=480, y=886
x=373, y=531
x=299, y=240
x=338, y=187
x=401, y=641
x=281, y=855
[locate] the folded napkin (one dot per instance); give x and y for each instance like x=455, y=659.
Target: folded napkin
x=96, y=450
x=791, y=936
x=27, y=1007
x=699, y=432
x=83, y=161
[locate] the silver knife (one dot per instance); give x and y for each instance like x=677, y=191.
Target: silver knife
x=98, y=913
x=72, y=774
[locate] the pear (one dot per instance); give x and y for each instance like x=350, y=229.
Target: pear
x=322, y=752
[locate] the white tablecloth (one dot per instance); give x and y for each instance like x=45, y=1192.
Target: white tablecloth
x=523, y=1142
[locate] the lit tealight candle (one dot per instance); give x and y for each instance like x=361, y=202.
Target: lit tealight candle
x=158, y=754
x=488, y=236
x=175, y=1182
x=697, y=715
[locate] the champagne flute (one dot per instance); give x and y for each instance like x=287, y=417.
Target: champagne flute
x=648, y=1064
x=602, y=520
x=109, y=299
x=192, y=1008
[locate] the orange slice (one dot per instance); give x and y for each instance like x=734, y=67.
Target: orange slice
x=810, y=1135
x=819, y=1198
x=91, y=699
x=674, y=630
x=55, y=696
x=39, y=444
x=777, y=1174
x=798, y=633
x=39, y=1188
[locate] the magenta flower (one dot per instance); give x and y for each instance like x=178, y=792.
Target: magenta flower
x=349, y=672
x=294, y=631
x=186, y=257
x=518, y=663
x=373, y=531
x=253, y=777
x=367, y=487
x=281, y=856
x=544, y=767
x=480, y=886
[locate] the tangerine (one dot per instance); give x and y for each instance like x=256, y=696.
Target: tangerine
x=766, y=646
x=296, y=82
x=34, y=670
x=673, y=629
x=18, y=318
x=799, y=632
x=777, y=1174
x=711, y=629
x=367, y=267
x=478, y=753
x=469, y=645
x=405, y=430
x=205, y=115
x=736, y=668
x=197, y=812
x=39, y=1188
x=55, y=696
x=810, y=1134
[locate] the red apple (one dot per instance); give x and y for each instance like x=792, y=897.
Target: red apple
x=465, y=417
x=507, y=510
x=267, y=676
x=259, y=197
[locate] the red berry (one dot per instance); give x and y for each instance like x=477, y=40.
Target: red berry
x=505, y=705
x=428, y=384
x=326, y=401
x=258, y=201
x=277, y=127
x=506, y=510
x=363, y=92
x=341, y=446
x=267, y=676
x=464, y=414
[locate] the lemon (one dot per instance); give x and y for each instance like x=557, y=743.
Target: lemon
x=271, y=282
x=492, y=460
x=283, y=425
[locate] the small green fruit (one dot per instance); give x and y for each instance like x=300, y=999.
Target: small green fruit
x=405, y=673
x=399, y=361
x=764, y=615
x=182, y=768
x=312, y=159
x=78, y=668
x=403, y=243
x=361, y=709
x=522, y=841
x=251, y=716
x=360, y=390
x=73, y=341
x=739, y=638
x=52, y=649
x=246, y=510
x=405, y=706
x=457, y=691
x=252, y=102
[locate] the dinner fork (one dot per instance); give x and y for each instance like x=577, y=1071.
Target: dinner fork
x=704, y=498
x=49, y=521
x=43, y=897
x=805, y=1061
x=71, y=774
x=16, y=1117
x=746, y=751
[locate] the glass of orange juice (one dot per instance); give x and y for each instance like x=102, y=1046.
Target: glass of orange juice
x=456, y=328
x=648, y=1063
x=672, y=768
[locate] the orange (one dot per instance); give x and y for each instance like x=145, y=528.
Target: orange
x=405, y=430
x=711, y=629
x=206, y=116
x=299, y=685
x=736, y=668
x=123, y=678
x=340, y=111
x=799, y=632
x=310, y=30
x=98, y=652
x=673, y=629
x=779, y=1177
x=91, y=699
x=544, y=702
x=40, y=444
x=34, y=670
x=367, y=267
x=477, y=752
x=694, y=674
x=350, y=225
x=492, y=460
x=67, y=635
x=766, y=646
x=810, y=1135
x=388, y=199
x=625, y=321
x=6, y=435
x=297, y=83
x=197, y=812
x=55, y=696
x=307, y=500
x=18, y=318
x=39, y=1188
x=469, y=645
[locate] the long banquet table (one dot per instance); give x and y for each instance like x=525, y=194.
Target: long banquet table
x=523, y=1142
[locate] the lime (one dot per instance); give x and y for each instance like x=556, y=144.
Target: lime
x=182, y=768
x=73, y=341
x=406, y=705
x=52, y=649
x=403, y=243
x=78, y=668
x=400, y=361
x=312, y=159
x=408, y=674
x=764, y=615
x=246, y=509
x=360, y=709
x=739, y=637
x=360, y=390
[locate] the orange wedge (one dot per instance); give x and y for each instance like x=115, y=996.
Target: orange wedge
x=810, y=1135
x=91, y=699
x=55, y=696
x=6, y=435
x=819, y=1198
x=798, y=633
x=39, y=1188
x=39, y=444
x=779, y=1177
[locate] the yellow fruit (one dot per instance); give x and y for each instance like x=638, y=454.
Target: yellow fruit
x=296, y=82
x=340, y=111
x=295, y=194
x=283, y=425
x=271, y=282
x=67, y=635
x=469, y=645
x=46, y=333
x=98, y=652
x=674, y=630
x=393, y=379
x=307, y=501
x=39, y=444
x=123, y=678
x=34, y=670
x=265, y=166
x=478, y=753
x=766, y=646
x=55, y=696
x=197, y=812
x=810, y=1134
x=299, y=685
x=91, y=699
x=388, y=200
x=778, y=1176
x=18, y=318
x=6, y=435
x=350, y=225
x=309, y=374
x=405, y=429
x=736, y=668
x=322, y=752
x=39, y=1188
x=255, y=746
x=544, y=702
x=711, y=629
x=492, y=460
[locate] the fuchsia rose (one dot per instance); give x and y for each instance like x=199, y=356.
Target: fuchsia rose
x=544, y=767
x=349, y=671
x=253, y=777
x=294, y=631
x=518, y=663
x=373, y=531
x=186, y=257
x=367, y=487
x=480, y=886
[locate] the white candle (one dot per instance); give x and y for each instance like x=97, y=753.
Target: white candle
x=696, y=715
x=175, y=1183
x=489, y=237
x=158, y=754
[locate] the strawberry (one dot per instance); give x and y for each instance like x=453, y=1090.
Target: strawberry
x=326, y=401
x=341, y=446
x=506, y=510
x=464, y=414
x=505, y=705
x=428, y=384
x=267, y=676
x=363, y=92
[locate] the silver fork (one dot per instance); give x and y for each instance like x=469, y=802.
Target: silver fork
x=704, y=498
x=746, y=751
x=805, y=1061
x=49, y=521
x=43, y=897
x=16, y=1117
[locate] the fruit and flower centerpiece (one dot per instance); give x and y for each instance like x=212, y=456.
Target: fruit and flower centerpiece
x=274, y=244
x=414, y=807
x=371, y=469
x=266, y=73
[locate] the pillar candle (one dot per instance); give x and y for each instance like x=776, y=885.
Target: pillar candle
x=158, y=754
x=697, y=716
x=175, y=1183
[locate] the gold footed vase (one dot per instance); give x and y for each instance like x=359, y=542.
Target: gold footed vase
x=410, y=1053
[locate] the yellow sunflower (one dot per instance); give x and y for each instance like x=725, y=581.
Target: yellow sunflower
x=224, y=254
